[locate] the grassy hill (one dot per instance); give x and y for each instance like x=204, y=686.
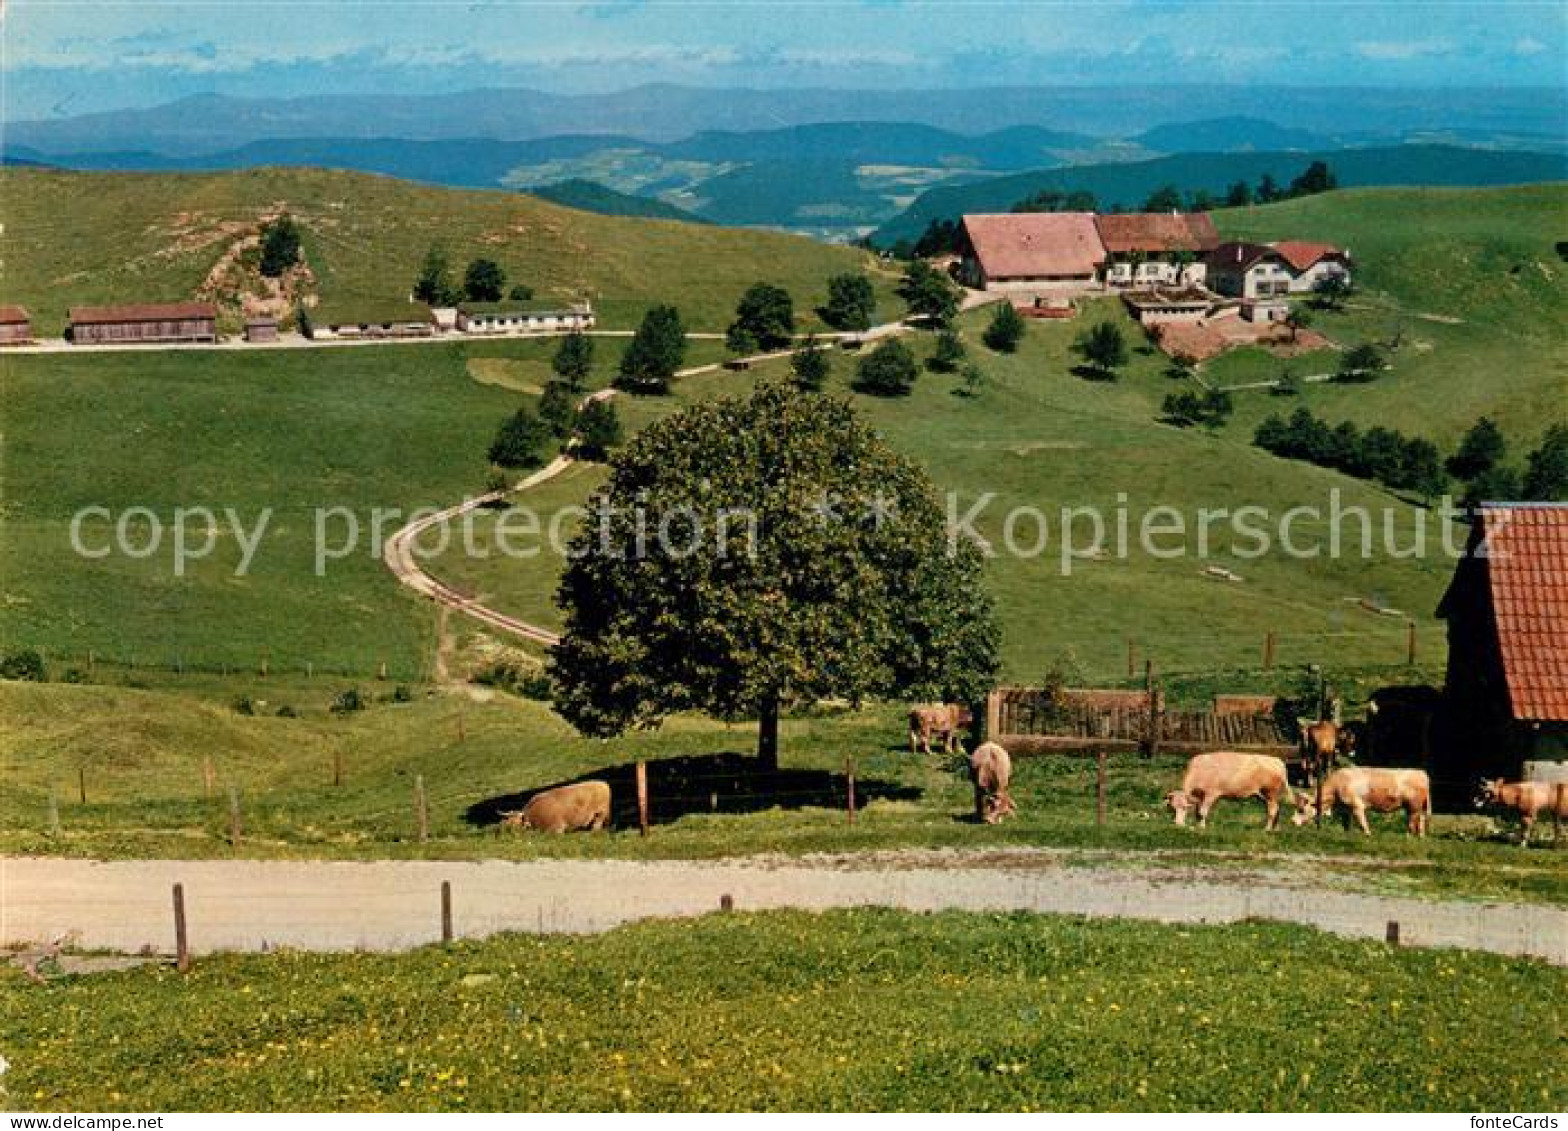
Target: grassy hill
x=124, y=237
x=1128, y=184
x=1470, y=278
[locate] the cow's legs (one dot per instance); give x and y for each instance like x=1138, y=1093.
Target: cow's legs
x=914, y=741
x=1271, y=803
x=1360, y=813
x=1204, y=805
x=1526, y=823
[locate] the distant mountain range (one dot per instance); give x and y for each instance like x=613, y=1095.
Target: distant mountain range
x=1128, y=184
x=590, y=196
x=212, y=123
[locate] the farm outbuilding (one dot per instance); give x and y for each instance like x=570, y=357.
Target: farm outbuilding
x=522, y=318
x=261, y=330
x=1505, y=695
x=350, y=322
x=144, y=322
x=16, y=327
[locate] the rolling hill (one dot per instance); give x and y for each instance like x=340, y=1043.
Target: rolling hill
x=100, y=237
x=1128, y=184
x=591, y=196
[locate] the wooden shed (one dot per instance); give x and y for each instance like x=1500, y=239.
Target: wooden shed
x=1505, y=694
x=15, y=326
x=261, y=329
x=146, y=322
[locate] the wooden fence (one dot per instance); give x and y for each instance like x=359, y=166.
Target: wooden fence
x=1027, y=718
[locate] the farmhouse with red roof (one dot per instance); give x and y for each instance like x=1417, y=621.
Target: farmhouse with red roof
x=1147, y=249
x=1031, y=251
x=1506, y=691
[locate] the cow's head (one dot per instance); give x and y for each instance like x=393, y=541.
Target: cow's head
x=1489, y=792
x=963, y=716
x=1306, y=807
x=1179, y=801
x=997, y=806
x=1345, y=742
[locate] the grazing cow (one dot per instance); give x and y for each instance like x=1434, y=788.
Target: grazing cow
x=1226, y=773
x=945, y=722
x=991, y=770
x=567, y=808
x=1528, y=799
x=1321, y=743
x=1358, y=789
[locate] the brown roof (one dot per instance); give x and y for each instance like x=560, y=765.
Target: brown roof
x=1034, y=244
x=13, y=314
x=1301, y=255
x=1241, y=255
x=143, y=312
x=1158, y=231
x=1527, y=571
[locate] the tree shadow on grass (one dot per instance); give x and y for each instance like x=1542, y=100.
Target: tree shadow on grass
x=706, y=783
x=1093, y=373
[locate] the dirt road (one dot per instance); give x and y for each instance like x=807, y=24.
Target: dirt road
x=392, y=905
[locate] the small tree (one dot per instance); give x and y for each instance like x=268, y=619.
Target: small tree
x=1166, y=198
x=573, y=360
x=1495, y=484
x=1103, y=348
x=1316, y=178
x=1239, y=195
x=1331, y=291
x=1186, y=408
x=974, y=380
x=948, y=352
x=655, y=353
x=739, y=340
x=23, y=664
x=484, y=281
x=1006, y=329
x=929, y=294
x=851, y=304
x=558, y=408
x=434, y=285
x=1288, y=384
x=1298, y=319
x=1546, y=468
x=1360, y=363
x=767, y=315
x=810, y=366
x=520, y=441
x=1482, y=449
x=598, y=429
x=821, y=569
x=280, y=246
x=1183, y=367
x=887, y=371
x=520, y=292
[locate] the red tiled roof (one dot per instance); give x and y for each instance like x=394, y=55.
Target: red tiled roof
x=1158, y=231
x=144, y=312
x=1035, y=244
x=13, y=314
x=1301, y=254
x=1242, y=255
x=1527, y=570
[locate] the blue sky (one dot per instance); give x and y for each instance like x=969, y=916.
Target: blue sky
x=68, y=58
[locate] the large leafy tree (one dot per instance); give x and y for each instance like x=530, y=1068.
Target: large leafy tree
x=655, y=353
x=887, y=371
x=1546, y=469
x=483, y=281
x=1482, y=449
x=851, y=302
x=521, y=440
x=804, y=560
x=573, y=360
x=434, y=284
x=765, y=315
x=1103, y=348
x=279, y=246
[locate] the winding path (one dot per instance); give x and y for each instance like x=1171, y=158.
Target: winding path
x=395, y=904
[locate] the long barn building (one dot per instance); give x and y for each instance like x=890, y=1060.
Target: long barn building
x=146, y=322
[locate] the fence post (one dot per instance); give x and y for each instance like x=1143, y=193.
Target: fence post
x=54, y=813
x=1152, y=742
x=381, y=672
x=1268, y=651
x=446, y=911
x=849, y=780
x=642, y=798
x=1391, y=932
x=337, y=768
x=209, y=778
x=1099, y=788
x=1130, y=657
x=182, y=951
x=1410, y=644
x=462, y=728
x=234, y=816
x=421, y=809
x=993, y=715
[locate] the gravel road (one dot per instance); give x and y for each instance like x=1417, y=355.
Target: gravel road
x=392, y=905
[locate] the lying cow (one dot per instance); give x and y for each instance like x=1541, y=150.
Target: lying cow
x=1226, y=773
x=1356, y=790
x=946, y=722
x=567, y=808
x=1528, y=799
x=991, y=770
x=1321, y=744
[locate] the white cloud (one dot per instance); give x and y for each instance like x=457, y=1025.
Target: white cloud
x=1528, y=45
x=1400, y=49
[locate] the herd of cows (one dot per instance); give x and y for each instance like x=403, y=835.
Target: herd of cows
x=1221, y=775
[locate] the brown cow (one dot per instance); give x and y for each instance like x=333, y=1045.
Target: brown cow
x=1321, y=743
x=1226, y=773
x=946, y=722
x=1528, y=799
x=1358, y=789
x=567, y=808
x=991, y=770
